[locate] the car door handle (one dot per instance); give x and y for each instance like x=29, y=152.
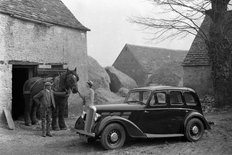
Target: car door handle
x=146, y=111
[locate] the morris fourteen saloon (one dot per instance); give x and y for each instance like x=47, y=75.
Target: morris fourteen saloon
x=147, y=112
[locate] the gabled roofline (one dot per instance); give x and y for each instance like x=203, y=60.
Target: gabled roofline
x=127, y=49
x=41, y=22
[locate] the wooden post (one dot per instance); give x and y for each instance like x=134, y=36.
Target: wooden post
x=9, y=119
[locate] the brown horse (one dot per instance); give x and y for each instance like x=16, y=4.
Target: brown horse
x=63, y=84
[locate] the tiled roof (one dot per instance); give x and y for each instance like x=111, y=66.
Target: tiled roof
x=198, y=53
x=47, y=11
x=152, y=58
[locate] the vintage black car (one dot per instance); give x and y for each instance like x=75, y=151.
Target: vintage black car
x=147, y=112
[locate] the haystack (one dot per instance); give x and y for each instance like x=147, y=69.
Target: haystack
x=97, y=74
x=103, y=96
x=119, y=79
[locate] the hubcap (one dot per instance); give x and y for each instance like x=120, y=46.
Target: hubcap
x=114, y=137
x=195, y=129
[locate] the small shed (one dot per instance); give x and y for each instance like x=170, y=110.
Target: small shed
x=196, y=65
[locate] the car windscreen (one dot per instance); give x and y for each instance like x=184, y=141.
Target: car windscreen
x=140, y=96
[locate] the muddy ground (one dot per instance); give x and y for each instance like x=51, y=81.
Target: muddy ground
x=27, y=140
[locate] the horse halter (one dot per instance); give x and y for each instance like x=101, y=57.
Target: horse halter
x=74, y=77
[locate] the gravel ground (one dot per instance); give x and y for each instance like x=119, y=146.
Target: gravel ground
x=27, y=140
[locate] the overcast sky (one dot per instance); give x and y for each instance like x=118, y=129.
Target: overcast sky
x=111, y=30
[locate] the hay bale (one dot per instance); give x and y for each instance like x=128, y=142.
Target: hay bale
x=123, y=92
x=104, y=96
x=97, y=74
x=119, y=79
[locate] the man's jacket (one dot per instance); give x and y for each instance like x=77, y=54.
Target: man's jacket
x=45, y=98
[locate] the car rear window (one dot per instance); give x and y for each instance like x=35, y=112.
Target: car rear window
x=176, y=98
x=189, y=99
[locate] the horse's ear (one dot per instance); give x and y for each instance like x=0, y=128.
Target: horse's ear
x=75, y=69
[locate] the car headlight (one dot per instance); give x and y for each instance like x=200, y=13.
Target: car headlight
x=97, y=116
x=83, y=116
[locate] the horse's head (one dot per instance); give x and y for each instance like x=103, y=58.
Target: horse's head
x=71, y=80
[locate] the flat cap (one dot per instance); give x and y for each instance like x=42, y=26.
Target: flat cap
x=47, y=83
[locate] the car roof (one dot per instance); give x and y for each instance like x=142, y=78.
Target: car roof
x=152, y=88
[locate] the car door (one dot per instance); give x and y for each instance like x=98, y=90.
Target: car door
x=155, y=116
x=177, y=112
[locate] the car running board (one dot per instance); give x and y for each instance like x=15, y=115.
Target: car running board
x=163, y=135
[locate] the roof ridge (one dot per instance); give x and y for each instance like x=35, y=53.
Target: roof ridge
x=52, y=12
x=151, y=47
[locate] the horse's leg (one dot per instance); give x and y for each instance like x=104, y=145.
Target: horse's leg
x=54, y=117
x=27, y=109
x=33, y=112
x=62, y=124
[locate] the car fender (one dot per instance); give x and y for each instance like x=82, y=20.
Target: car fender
x=199, y=116
x=132, y=129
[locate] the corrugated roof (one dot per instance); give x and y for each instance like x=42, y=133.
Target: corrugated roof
x=152, y=58
x=198, y=53
x=48, y=11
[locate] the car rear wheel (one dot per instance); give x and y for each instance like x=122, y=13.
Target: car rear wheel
x=194, y=130
x=113, y=136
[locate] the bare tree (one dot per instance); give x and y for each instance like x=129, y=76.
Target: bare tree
x=183, y=17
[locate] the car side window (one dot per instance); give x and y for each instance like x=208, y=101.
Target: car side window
x=158, y=99
x=176, y=98
x=189, y=99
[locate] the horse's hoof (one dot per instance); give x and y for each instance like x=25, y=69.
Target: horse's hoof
x=55, y=129
x=65, y=128
x=28, y=124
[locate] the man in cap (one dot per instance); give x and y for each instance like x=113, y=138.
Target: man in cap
x=46, y=101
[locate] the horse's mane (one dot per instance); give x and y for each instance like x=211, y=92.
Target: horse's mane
x=59, y=81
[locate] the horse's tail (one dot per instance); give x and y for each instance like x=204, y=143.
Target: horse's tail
x=26, y=91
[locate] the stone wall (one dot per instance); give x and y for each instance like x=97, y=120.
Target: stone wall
x=32, y=42
x=198, y=78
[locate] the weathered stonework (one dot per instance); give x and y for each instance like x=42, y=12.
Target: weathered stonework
x=198, y=78
x=32, y=42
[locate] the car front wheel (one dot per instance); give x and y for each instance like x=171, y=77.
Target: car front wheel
x=194, y=130
x=113, y=136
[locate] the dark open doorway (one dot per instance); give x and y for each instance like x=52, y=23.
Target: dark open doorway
x=20, y=74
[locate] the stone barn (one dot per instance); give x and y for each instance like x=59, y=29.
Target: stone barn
x=140, y=62
x=37, y=38
x=196, y=65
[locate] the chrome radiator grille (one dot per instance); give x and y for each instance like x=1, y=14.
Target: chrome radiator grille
x=91, y=112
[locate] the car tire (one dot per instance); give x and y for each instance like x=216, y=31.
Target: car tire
x=194, y=130
x=113, y=136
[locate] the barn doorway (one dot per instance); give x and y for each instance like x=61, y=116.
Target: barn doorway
x=20, y=73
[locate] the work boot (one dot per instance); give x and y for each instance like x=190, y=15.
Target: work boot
x=43, y=134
